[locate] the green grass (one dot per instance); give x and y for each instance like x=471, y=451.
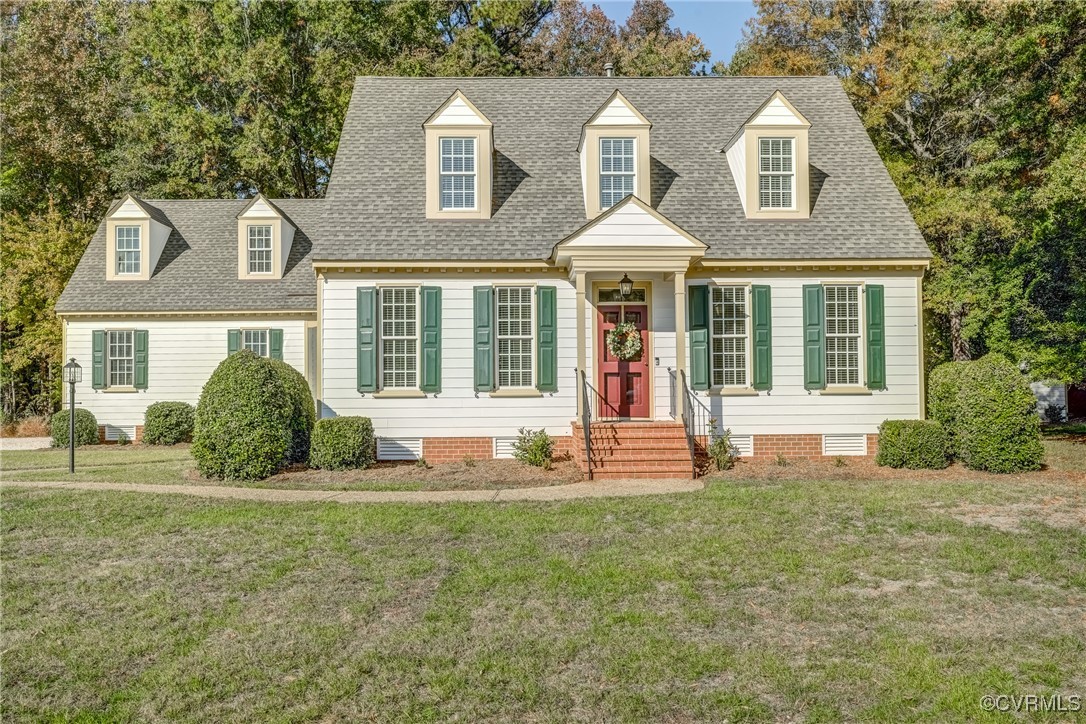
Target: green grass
x=744, y=602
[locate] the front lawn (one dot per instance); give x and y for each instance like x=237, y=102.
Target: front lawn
x=749, y=600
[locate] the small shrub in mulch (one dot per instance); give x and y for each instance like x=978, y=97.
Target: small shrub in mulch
x=913, y=444
x=342, y=443
x=86, y=428
x=534, y=447
x=168, y=423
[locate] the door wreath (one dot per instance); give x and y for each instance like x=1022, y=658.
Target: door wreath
x=624, y=341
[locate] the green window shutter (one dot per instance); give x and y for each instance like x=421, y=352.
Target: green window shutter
x=762, y=375
x=431, y=339
x=484, y=338
x=98, y=359
x=233, y=341
x=275, y=344
x=139, y=378
x=699, y=336
x=876, y=336
x=814, y=337
x=367, y=339
x=546, y=317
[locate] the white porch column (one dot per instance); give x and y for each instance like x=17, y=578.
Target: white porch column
x=582, y=333
x=680, y=339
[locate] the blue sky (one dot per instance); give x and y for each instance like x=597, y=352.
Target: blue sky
x=719, y=23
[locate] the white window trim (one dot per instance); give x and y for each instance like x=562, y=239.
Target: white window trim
x=109, y=358
x=532, y=327
x=599, y=162
x=474, y=175
x=749, y=345
x=249, y=249
x=758, y=161
x=117, y=252
x=267, y=338
x=381, y=338
x=861, y=340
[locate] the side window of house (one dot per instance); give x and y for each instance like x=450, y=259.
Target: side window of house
x=260, y=249
x=616, y=170
x=128, y=249
x=457, y=174
x=399, y=324
x=729, y=336
x=516, y=363
x=843, y=335
x=776, y=173
x=121, y=359
x=256, y=341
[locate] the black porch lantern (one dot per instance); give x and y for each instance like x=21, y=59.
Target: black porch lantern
x=625, y=286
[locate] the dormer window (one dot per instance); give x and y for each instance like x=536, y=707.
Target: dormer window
x=617, y=174
x=128, y=249
x=776, y=173
x=260, y=249
x=458, y=180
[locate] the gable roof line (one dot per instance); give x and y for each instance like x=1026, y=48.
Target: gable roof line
x=631, y=199
x=261, y=197
x=750, y=119
x=448, y=101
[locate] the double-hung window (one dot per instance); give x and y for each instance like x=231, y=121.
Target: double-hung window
x=515, y=336
x=729, y=336
x=128, y=249
x=256, y=341
x=842, y=334
x=399, y=310
x=457, y=174
x=776, y=173
x=616, y=170
x=121, y=359
x=260, y=249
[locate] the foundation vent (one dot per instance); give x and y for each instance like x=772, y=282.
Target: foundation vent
x=503, y=447
x=399, y=448
x=744, y=444
x=113, y=432
x=844, y=444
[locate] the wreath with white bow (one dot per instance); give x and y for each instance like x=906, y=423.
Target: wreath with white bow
x=624, y=341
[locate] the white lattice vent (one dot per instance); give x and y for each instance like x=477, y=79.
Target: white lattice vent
x=844, y=444
x=399, y=448
x=114, y=432
x=744, y=444
x=503, y=447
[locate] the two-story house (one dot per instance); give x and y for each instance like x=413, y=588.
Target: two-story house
x=480, y=240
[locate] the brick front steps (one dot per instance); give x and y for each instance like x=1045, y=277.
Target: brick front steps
x=634, y=450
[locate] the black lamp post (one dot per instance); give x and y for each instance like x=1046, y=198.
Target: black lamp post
x=625, y=286
x=73, y=373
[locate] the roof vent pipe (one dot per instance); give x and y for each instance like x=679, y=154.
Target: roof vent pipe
x=609, y=70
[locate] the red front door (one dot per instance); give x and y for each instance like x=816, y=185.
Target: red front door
x=623, y=384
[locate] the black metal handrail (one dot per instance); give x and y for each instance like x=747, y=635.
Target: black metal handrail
x=586, y=420
x=697, y=420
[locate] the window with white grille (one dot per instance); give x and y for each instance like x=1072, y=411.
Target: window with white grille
x=842, y=334
x=260, y=249
x=515, y=342
x=399, y=337
x=457, y=174
x=616, y=170
x=255, y=340
x=776, y=173
x=128, y=249
x=729, y=336
x=121, y=359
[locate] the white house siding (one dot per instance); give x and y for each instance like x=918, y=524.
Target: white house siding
x=776, y=113
x=181, y=355
x=790, y=409
x=457, y=411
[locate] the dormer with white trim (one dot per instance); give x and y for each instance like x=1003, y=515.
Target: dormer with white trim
x=768, y=159
x=459, y=152
x=265, y=236
x=614, y=150
x=134, y=241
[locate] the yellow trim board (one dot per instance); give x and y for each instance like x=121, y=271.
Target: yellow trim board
x=303, y=313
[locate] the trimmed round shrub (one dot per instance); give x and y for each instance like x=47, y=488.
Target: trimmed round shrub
x=86, y=428
x=944, y=383
x=913, y=444
x=341, y=443
x=242, y=428
x=168, y=423
x=998, y=427
x=302, y=411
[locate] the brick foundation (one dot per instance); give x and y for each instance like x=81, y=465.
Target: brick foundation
x=801, y=447
x=455, y=449
x=138, y=438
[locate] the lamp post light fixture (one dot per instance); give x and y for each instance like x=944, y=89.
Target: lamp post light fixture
x=73, y=374
x=625, y=286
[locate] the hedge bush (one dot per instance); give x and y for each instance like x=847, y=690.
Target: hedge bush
x=944, y=383
x=86, y=428
x=243, y=429
x=534, y=447
x=302, y=411
x=168, y=423
x=913, y=444
x=342, y=443
x=998, y=427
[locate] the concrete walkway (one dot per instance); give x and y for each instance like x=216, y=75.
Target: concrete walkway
x=602, y=489
x=25, y=443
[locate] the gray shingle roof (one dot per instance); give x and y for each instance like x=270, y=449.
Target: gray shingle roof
x=376, y=199
x=198, y=270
